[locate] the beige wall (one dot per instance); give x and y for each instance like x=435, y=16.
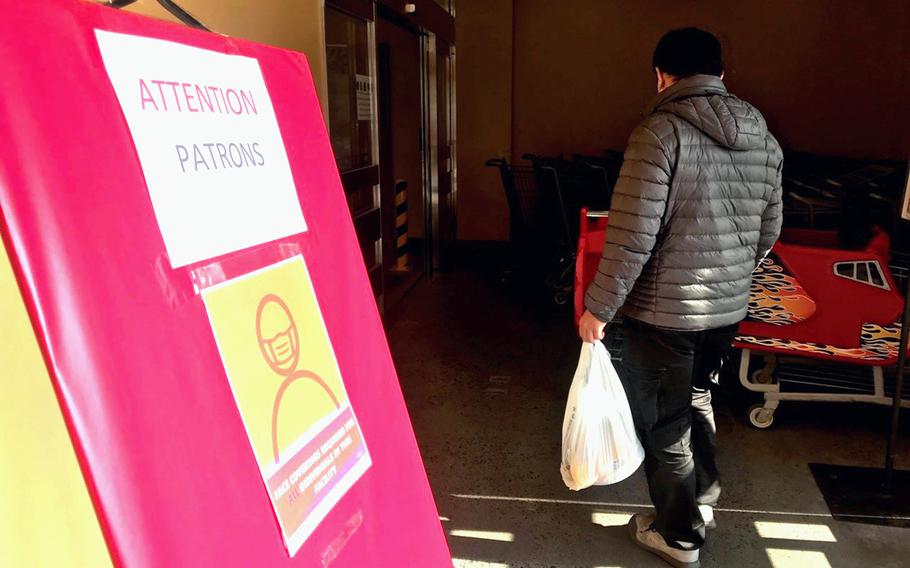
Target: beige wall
x=291, y=24
x=827, y=74
x=484, y=114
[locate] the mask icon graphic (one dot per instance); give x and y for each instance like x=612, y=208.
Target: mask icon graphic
x=277, y=333
x=279, y=343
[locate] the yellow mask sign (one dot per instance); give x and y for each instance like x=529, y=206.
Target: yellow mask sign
x=282, y=369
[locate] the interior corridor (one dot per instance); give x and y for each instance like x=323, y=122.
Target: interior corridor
x=485, y=377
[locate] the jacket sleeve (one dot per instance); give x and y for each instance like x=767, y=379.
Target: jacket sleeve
x=639, y=202
x=771, y=219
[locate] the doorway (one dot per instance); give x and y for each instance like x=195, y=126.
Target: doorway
x=350, y=64
x=391, y=120
x=401, y=158
x=440, y=65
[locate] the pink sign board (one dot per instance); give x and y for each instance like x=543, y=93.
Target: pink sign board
x=122, y=227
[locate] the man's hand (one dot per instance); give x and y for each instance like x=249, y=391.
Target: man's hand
x=590, y=328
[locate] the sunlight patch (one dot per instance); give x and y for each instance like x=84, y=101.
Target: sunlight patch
x=484, y=535
x=782, y=558
x=611, y=519
x=461, y=563
x=795, y=531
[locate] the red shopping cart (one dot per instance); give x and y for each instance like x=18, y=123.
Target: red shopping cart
x=592, y=233
x=810, y=302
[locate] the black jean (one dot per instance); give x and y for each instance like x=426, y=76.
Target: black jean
x=666, y=375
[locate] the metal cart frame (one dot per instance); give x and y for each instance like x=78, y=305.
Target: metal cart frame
x=761, y=381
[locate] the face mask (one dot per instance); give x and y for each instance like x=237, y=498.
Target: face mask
x=282, y=347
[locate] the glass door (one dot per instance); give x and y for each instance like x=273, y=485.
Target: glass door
x=350, y=62
x=439, y=119
x=401, y=180
x=445, y=135
x=392, y=124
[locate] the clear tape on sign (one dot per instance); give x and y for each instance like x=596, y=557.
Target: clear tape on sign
x=338, y=543
x=214, y=273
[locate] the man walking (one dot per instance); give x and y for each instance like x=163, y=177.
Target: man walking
x=696, y=207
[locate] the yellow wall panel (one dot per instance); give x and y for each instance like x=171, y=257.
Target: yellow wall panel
x=46, y=516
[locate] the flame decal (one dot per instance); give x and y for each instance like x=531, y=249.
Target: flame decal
x=877, y=343
x=776, y=297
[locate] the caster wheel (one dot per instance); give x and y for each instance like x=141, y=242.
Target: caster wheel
x=561, y=299
x=762, y=377
x=761, y=417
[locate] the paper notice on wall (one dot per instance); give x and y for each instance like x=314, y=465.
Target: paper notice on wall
x=905, y=210
x=208, y=143
x=364, y=97
x=287, y=385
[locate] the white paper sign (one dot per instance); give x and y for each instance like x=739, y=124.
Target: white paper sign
x=208, y=141
x=905, y=210
x=364, y=97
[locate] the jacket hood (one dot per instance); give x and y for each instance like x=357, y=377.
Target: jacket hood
x=703, y=101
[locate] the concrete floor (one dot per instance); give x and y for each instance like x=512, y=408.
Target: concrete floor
x=485, y=377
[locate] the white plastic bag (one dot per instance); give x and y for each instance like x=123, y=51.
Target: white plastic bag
x=599, y=443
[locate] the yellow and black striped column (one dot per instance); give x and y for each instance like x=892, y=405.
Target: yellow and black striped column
x=401, y=224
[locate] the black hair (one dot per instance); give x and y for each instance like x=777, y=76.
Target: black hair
x=689, y=51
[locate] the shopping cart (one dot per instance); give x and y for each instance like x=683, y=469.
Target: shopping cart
x=523, y=198
x=827, y=192
x=593, y=231
x=554, y=179
x=544, y=199
x=567, y=187
x=823, y=322
x=603, y=173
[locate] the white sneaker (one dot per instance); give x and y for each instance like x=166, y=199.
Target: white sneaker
x=640, y=528
x=707, y=515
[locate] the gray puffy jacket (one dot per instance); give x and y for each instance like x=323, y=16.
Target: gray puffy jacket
x=697, y=205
